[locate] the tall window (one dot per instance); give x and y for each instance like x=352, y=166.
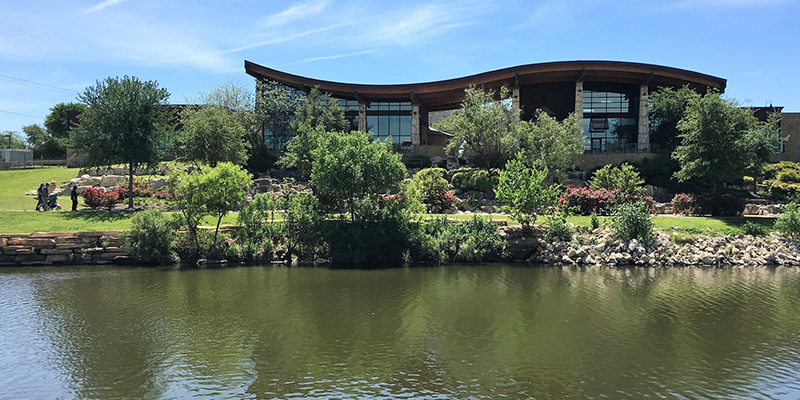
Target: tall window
x=609, y=123
x=386, y=119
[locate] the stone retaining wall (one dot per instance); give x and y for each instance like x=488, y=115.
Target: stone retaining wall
x=61, y=248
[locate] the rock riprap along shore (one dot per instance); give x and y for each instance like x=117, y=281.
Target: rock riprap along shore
x=599, y=247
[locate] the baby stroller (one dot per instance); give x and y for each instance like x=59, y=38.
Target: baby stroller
x=52, y=202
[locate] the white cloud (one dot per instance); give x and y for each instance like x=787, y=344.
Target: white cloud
x=280, y=38
x=293, y=13
x=333, y=57
x=32, y=33
x=101, y=5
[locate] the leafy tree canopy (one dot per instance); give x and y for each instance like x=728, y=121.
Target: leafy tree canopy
x=525, y=191
x=317, y=114
x=349, y=167
x=626, y=178
x=484, y=127
x=12, y=140
x=57, y=122
x=125, y=121
x=667, y=108
x=721, y=141
x=551, y=144
x=212, y=134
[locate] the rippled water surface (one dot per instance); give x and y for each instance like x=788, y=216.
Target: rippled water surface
x=452, y=332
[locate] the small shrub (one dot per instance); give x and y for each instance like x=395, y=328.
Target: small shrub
x=684, y=203
x=771, y=171
x=781, y=190
x=595, y=221
x=789, y=222
x=302, y=224
x=726, y=205
x=383, y=235
x=151, y=237
x=525, y=191
x=470, y=241
x=754, y=229
x=558, y=229
x=430, y=187
x=625, y=178
x=258, y=231
x=633, y=221
x=680, y=239
x=477, y=180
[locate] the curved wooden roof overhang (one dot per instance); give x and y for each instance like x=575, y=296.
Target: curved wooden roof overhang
x=448, y=94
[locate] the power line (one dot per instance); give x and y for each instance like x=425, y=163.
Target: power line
x=26, y=102
x=19, y=81
x=24, y=115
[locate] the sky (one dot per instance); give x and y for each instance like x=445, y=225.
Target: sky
x=52, y=50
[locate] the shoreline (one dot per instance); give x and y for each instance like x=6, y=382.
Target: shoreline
x=588, y=248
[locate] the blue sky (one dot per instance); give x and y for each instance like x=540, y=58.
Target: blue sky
x=50, y=50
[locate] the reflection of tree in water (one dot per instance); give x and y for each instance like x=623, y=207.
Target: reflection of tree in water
x=460, y=331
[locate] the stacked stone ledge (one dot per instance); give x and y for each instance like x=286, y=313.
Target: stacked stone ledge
x=62, y=248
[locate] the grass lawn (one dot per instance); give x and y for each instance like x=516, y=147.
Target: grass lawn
x=693, y=226
x=85, y=220
x=14, y=184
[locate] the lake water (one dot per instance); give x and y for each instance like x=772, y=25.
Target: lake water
x=494, y=331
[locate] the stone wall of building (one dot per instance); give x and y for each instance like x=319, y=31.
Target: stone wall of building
x=61, y=248
x=790, y=126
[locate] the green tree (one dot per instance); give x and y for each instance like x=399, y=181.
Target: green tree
x=317, y=114
x=212, y=134
x=125, y=121
x=210, y=191
x=525, y=190
x=667, y=107
x=484, y=127
x=58, y=123
x=240, y=101
x=550, y=143
x=721, y=141
x=44, y=144
x=349, y=167
x=275, y=107
x=12, y=140
x=625, y=178
x=222, y=191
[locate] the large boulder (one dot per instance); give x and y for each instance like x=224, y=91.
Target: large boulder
x=157, y=183
x=111, y=180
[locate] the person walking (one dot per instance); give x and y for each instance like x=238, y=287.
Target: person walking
x=74, y=196
x=39, y=196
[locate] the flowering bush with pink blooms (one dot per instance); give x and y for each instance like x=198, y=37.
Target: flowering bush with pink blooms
x=684, y=203
x=585, y=201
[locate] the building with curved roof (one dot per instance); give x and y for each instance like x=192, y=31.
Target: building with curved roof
x=609, y=96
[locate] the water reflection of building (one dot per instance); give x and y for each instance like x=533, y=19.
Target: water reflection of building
x=610, y=97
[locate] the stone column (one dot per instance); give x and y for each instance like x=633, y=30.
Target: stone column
x=579, y=99
x=515, y=102
x=579, y=108
x=415, y=124
x=644, y=121
x=362, y=117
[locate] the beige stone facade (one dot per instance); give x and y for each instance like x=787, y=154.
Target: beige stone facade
x=790, y=126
